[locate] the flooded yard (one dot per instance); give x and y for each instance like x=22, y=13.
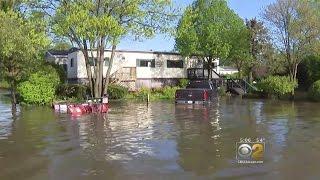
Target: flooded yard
x=161, y=141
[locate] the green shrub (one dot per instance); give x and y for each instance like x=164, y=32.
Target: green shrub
x=40, y=87
x=75, y=91
x=155, y=90
x=143, y=93
x=183, y=83
x=314, y=91
x=169, y=92
x=156, y=94
x=117, y=91
x=277, y=85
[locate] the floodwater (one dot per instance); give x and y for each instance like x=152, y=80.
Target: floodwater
x=161, y=141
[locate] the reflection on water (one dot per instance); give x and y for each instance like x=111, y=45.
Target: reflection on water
x=161, y=141
x=6, y=118
x=5, y=121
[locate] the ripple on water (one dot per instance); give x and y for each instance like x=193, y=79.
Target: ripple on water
x=167, y=140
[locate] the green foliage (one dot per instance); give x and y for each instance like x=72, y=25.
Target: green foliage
x=61, y=45
x=209, y=28
x=260, y=47
x=297, y=27
x=6, y=5
x=22, y=41
x=313, y=68
x=117, y=91
x=40, y=87
x=239, y=54
x=98, y=24
x=60, y=70
x=143, y=93
x=73, y=91
x=231, y=76
x=166, y=93
x=4, y=84
x=183, y=83
x=277, y=85
x=222, y=91
x=169, y=92
x=314, y=91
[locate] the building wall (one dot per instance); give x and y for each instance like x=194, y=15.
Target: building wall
x=129, y=59
x=152, y=77
x=72, y=72
x=161, y=70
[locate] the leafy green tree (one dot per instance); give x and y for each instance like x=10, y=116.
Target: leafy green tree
x=61, y=45
x=100, y=24
x=21, y=42
x=296, y=28
x=6, y=5
x=309, y=71
x=260, y=45
x=240, y=50
x=207, y=29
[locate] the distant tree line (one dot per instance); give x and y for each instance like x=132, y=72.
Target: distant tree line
x=286, y=36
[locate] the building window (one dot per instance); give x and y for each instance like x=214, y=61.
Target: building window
x=174, y=64
x=71, y=62
x=146, y=63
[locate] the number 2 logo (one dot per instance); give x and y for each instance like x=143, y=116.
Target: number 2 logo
x=258, y=151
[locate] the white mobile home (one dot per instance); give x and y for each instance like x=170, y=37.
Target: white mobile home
x=136, y=69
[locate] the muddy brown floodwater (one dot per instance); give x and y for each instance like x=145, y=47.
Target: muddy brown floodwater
x=161, y=141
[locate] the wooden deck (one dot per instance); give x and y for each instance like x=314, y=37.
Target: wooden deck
x=235, y=86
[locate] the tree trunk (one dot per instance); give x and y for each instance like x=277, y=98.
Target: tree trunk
x=210, y=68
x=88, y=68
x=250, y=76
x=239, y=72
x=13, y=98
x=97, y=74
x=106, y=82
x=294, y=77
x=101, y=64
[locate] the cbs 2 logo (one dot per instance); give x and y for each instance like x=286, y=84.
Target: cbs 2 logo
x=250, y=150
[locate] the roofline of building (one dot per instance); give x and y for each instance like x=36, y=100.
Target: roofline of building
x=131, y=51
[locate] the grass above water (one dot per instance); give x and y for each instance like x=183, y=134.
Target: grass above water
x=166, y=93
